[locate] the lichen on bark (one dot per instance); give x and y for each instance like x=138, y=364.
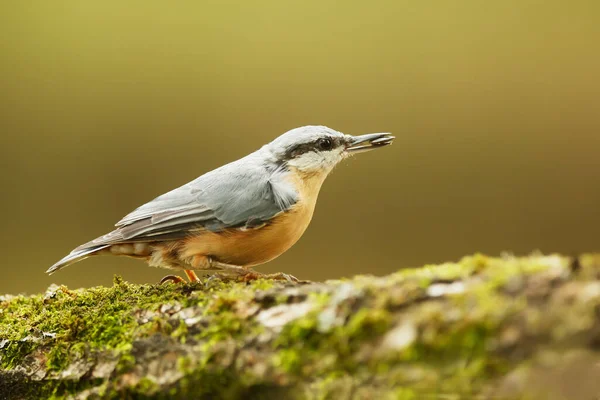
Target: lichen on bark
x=484, y=326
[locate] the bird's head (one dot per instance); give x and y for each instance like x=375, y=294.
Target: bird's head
x=316, y=150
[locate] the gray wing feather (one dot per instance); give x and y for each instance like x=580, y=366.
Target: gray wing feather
x=227, y=197
x=243, y=193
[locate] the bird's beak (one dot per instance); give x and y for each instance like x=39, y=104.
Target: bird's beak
x=362, y=143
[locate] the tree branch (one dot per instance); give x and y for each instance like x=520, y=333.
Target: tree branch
x=493, y=327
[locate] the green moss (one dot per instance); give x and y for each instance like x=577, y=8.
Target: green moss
x=289, y=360
x=366, y=324
x=404, y=394
x=146, y=386
x=14, y=352
x=73, y=322
x=306, y=350
x=185, y=364
x=181, y=332
x=126, y=362
x=58, y=357
x=102, y=317
x=454, y=345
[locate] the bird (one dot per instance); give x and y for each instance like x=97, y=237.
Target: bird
x=240, y=215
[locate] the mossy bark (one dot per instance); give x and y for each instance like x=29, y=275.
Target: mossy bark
x=492, y=327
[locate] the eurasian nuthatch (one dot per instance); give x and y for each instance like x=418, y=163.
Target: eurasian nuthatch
x=237, y=216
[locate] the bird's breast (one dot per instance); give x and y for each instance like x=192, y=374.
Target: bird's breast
x=249, y=247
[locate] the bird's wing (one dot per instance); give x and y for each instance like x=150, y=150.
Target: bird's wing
x=232, y=196
x=240, y=194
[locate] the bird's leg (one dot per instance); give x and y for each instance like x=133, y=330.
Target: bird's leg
x=241, y=273
x=191, y=275
x=278, y=276
x=228, y=269
x=248, y=274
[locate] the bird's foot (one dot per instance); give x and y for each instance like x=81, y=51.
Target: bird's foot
x=172, y=279
x=246, y=276
x=278, y=276
x=177, y=279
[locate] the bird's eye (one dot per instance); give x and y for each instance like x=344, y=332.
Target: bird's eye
x=325, y=144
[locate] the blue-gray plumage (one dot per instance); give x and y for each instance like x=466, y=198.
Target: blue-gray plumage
x=242, y=214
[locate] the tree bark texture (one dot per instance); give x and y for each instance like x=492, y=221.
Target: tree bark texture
x=482, y=327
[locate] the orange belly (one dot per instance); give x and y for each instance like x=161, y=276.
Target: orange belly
x=247, y=248
x=254, y=246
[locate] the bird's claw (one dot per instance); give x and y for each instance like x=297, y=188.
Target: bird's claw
x=172, y=279
x=278, y=276
x=247, y=277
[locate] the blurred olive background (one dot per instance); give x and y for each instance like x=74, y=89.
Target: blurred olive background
x=495, y=105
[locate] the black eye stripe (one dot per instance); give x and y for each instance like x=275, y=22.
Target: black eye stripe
x=302, y=148
x=299, y=149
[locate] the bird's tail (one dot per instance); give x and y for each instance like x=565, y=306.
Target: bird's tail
x=76, y=255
